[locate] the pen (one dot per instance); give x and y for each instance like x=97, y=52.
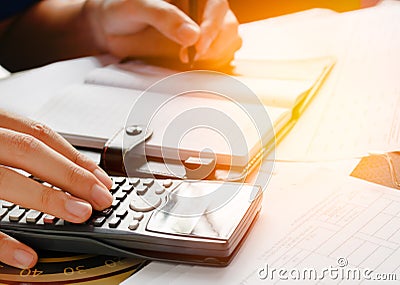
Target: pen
x=193, y=13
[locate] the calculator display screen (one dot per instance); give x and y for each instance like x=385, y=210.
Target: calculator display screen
x=203, y=210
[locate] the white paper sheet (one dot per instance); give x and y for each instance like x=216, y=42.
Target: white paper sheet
x=356, y=109
x=26, y=92
x=306, y=222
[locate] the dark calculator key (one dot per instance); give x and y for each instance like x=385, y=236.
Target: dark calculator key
x=16, y=214
x=141, y=190
x=120, y=196
x=49, y=219
x=115, y=203
x=145, y=204
x=114, y=187
x=122, y=213
x=99, y=221
x=138, y=216
x=114, y=222
x=33, y=216
x=133, y=225
x=148, y=182
x=7, y=204
x=106, y=212
x=119, y=180
x=3, y=212
x=134, y=181
x=37, y=179
x=127, y=188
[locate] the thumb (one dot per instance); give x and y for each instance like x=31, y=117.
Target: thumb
x=171, y=22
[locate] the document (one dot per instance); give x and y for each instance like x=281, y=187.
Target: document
x=317, y=219
x=277, y=83
x=356, y=109
x=257, y=106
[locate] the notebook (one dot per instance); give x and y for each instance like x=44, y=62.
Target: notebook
x=235, y=130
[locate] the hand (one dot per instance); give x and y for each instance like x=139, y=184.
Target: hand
x=33, y=147
x=219, y=38
x=148, y=28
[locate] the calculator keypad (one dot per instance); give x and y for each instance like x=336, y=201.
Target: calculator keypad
x=134, y=201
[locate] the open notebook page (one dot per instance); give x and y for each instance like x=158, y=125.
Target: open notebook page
x=276, y=83
x=88, y=115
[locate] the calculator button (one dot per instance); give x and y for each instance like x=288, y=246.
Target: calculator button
x=148, y=182
x=49, y=219
x=16, y=215
x=3, y=212
x=120, y=196
x=121, y=213
x=115, y=203
x=134, y=181
x=106, y=212
x=114, y=187
x=119, y=180
x=145, y=204
x=167, y=183
x=159, y=190
x=133, y=225
x=138, y=216
x=33, y=216
x=114, y=222
x=7, y=204
x=127, y=188
x=141, y=190
x=99, y=221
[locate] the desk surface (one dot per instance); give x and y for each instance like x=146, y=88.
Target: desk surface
x=363, y=86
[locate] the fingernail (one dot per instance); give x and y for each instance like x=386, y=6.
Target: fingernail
x=103, y=177
x=77, y=208
x=188, y=34
x=101, y=196
x=24, y=258
x=203, y=48
x=184, y=55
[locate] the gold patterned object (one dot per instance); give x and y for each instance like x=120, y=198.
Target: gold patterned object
x=65, y=268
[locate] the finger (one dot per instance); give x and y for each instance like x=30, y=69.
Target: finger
x=28, y=153
x=16, y=254
x=184, y=55
x=226, y=44
x=30, y=194
x=212, y=23
x=53, y=140
x=152, y=44
x=171, y=22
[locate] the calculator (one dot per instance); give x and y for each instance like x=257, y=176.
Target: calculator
x=195, y=222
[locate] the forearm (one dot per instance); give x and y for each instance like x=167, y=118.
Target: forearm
x=49, y=31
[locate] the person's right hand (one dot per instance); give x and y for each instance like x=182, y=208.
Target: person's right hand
x=163, y=30
x=33, y=147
